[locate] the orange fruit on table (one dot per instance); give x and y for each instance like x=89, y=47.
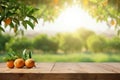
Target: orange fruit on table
x=19, y=63
x=29, y=63
x=10, y=64
x=7, y=21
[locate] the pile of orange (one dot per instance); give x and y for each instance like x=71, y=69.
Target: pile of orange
x=21, y=62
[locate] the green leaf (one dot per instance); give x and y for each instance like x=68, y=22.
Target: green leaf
x=33, y=18
x=30, y=24
x=118, y=32
x=16, y=21
x=30, y=54
x=24, y=51
x=12, y=25
x=8, y=14
x=24, y=24
x=24, y=54
x=32, y=10
x=2, y=29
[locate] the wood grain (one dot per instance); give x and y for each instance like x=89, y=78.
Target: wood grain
x=67, y=68
x=94, y=68
x=63, y=71
x=40, y=68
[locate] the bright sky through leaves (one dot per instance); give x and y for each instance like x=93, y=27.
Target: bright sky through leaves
x=71, y=19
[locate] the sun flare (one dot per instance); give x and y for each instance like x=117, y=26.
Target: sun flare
x=71, y=19
x=72, y=16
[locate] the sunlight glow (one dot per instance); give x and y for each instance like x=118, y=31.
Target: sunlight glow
x=75, y=17
x=71, y=16
x=71, y=19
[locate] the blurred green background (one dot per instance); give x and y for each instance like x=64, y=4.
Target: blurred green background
x=81, y=46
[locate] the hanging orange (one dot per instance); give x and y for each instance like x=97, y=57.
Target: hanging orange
x=105, y=3
x=7, y=21
x=85, y=2
x=55, y=1
x=112, y=22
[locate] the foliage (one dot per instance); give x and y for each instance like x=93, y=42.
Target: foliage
x=83, y=34
x=68, y=43
x=97, y=43
x=3, y=40
x=77, y=57
x=14, y=13
x=74, y=57
x=104, y=10
x=11, y=55
x=18, y=13
x=101, y=10
x=19, y=44
x=62, y=43
x=44, y=43
x=49, y=9
x=114, y=45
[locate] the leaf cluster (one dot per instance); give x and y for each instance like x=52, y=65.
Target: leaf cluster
x=18, y=12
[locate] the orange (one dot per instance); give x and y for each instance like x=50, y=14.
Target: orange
x=10, y=64
x=29, y=63
x=105, y=3
x=19, y=63
x=85, y=2
x=55, y=1
x=7, y=21
x=112, y=22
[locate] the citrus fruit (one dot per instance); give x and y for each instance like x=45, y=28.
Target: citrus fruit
x=19, y=63
x=112, y=22
x=29, y=63
x=7, y=21
x=10, y=64
x=105, y=3
x=55, y=1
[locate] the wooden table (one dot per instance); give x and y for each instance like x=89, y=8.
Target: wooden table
x=63, y=71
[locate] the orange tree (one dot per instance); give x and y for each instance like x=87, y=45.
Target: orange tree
x=48, y=9
x=104, y=10
x=14, y=13
x=101, y=10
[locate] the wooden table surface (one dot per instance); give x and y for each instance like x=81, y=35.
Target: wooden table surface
x=63, y=71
